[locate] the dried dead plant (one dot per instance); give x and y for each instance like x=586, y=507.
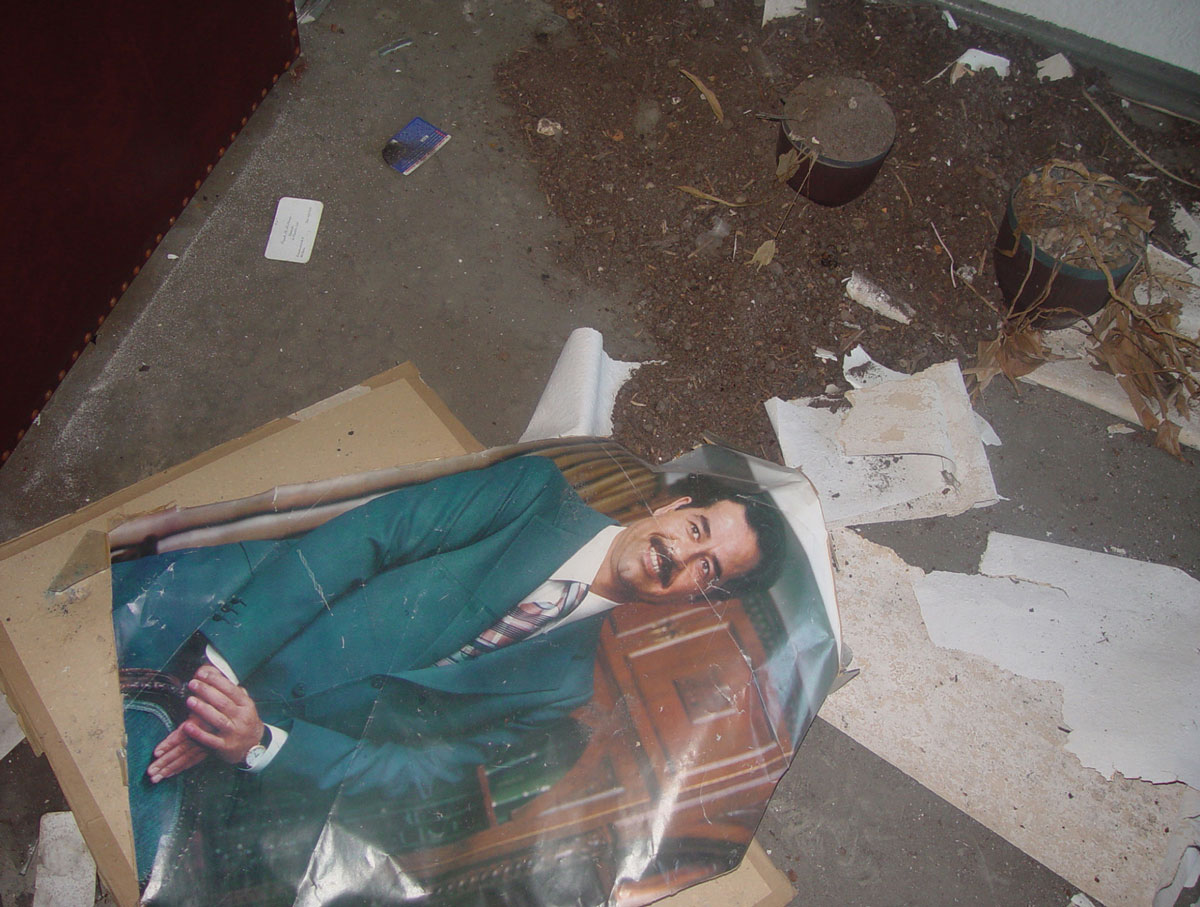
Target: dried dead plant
x=1138, y=342
x=1156, y=365
x=1016, y=350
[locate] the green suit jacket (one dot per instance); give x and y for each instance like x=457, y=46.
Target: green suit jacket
x=335, y=633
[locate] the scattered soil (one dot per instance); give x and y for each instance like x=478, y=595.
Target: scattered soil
x=838, y=118
x=732, y=334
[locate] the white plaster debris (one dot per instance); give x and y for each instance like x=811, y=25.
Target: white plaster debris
x=66, y=873
x=1054, y=68
x=990, y=741
x=860, y=370
x=1073, y=374
x=907, y=447
x=975, y=60
x=1187, y=221
x=549, y=127
x=1119, y=635
x=950, y=23
x=579, y=397
x=10, y=730
x=1181, y=867
x=869, y=294
x=782, y=9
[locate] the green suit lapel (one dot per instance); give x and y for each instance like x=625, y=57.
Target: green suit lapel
x=537, y=551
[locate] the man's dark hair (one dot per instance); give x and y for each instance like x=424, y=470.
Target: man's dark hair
x=763, y=518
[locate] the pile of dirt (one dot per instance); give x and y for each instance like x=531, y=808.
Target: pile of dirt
x=733, y=333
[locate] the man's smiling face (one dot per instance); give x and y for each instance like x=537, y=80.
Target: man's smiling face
x=679, y=553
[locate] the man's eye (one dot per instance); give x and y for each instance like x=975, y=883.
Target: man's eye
x=695, y=530
x=706, y=567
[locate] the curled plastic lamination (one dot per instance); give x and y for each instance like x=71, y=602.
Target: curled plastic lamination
x=544, y=675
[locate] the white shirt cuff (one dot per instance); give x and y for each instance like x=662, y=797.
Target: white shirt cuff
x=278, y=738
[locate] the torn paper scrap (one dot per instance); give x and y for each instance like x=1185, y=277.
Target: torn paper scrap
x=976, y=60
x=579, y=397
x=1054, y=68
x=870, y=295
x=1120, y=636
x=1073, y=374
x=987, y=740
x=904, y=449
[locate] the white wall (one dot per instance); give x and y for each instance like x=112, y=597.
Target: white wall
x=1167, y=30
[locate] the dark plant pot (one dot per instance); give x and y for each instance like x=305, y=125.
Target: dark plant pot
x=831, y=183
x=835, y=107
x=1035, y=284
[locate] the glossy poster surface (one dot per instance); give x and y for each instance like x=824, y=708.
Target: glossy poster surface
x=548, y=674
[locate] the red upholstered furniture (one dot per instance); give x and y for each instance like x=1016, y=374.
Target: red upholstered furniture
x=111, y=116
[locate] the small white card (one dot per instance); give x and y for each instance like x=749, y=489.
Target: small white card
x=295, y=229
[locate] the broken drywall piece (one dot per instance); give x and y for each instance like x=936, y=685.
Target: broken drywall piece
x=975, y=60
x=906, y=448
x=860, y=370
x=1118, y=635
x=987, y=740
x=65, y=874
x=782, y=9
x=579, y=397
x=1072, y=374
x=1054, y=68
x=869, y=294
x=1181, y=867
x=950, y=23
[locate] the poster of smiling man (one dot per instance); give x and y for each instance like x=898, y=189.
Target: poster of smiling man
x=543, y=674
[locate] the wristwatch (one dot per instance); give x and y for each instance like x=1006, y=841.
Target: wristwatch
x=256, y=752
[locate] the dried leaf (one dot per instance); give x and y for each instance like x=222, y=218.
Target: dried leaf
x=1167, y=437
x=712, y=198
x=708, y=96
x=765, y=254
x=1139, y=215
x=1015, y=352
x=788, y=165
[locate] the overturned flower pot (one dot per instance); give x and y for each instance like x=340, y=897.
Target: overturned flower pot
x=833, y=138
x=1068, y=240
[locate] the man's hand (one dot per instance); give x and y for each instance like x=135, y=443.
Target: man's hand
x=177, y=753
x=223, y=720
x=223, y=717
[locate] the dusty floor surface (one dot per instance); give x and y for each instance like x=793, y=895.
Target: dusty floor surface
x=733, y=334
x=479, y=265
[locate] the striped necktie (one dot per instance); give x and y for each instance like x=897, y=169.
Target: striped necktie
x=523, y=620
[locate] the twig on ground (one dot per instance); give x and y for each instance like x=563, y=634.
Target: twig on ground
x=953, y=281
x=904, y=187
x=1128, y=141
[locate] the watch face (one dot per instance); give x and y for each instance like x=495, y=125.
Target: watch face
x=256, y=753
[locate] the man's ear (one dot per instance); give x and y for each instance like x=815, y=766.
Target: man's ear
x=673, y=505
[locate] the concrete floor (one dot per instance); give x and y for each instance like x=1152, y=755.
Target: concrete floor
x=453, y=268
